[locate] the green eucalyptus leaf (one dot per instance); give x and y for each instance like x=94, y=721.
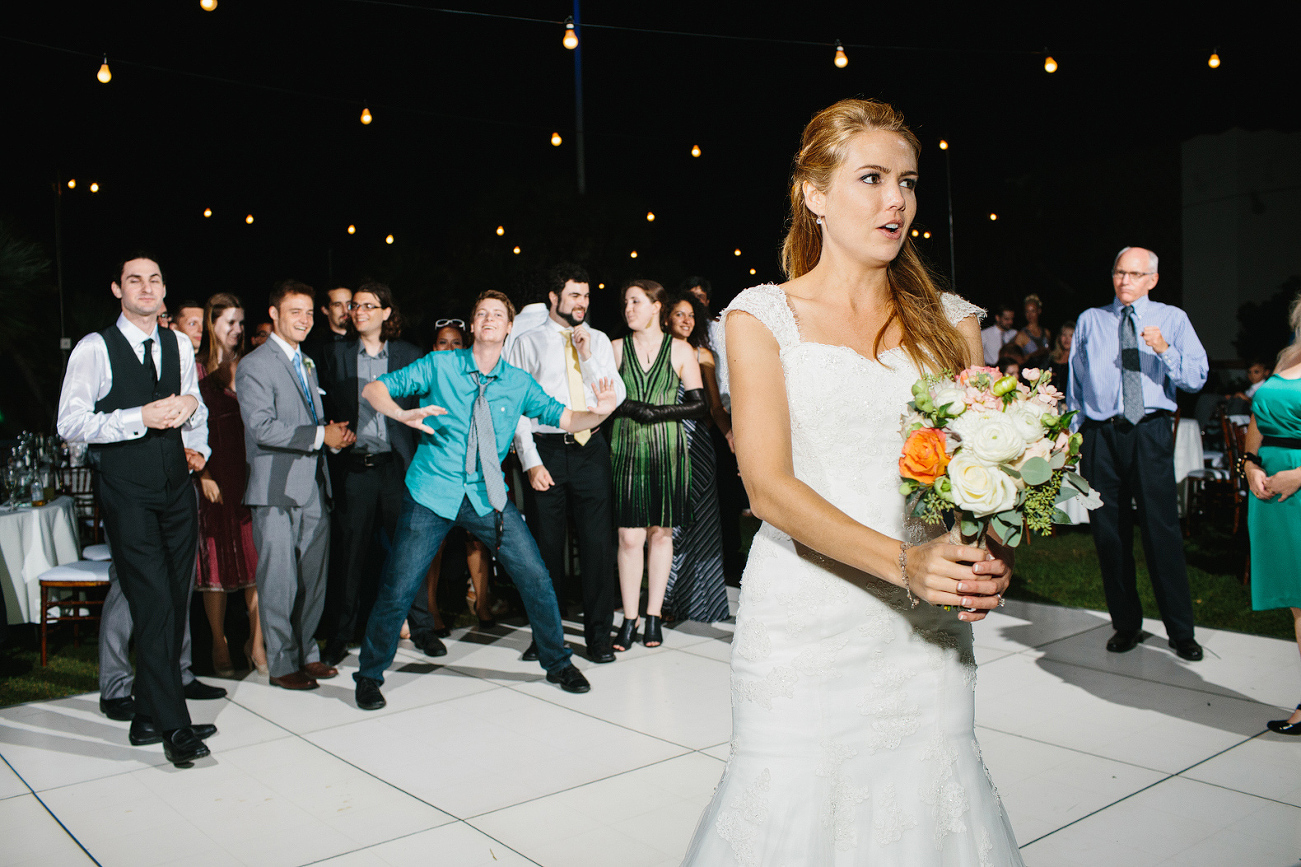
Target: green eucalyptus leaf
x=1036, y=471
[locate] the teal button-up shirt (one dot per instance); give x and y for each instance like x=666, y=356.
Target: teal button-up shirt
x=437, y=478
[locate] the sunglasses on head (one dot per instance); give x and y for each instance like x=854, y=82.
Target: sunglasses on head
x=459, y=323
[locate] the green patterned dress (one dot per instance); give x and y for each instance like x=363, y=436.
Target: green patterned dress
x=651, y=463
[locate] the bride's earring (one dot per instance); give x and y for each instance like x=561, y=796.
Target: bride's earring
x=819, y=221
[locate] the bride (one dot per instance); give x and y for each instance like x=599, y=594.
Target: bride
x=852, y=704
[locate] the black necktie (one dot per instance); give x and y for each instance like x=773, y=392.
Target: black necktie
x=149, y=363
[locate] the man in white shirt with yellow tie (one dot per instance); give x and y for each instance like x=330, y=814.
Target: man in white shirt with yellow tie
x=565, y=470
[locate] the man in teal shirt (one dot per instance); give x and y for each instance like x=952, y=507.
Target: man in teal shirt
x=470, y=403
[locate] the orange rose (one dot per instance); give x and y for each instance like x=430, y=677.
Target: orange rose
x=924, y=458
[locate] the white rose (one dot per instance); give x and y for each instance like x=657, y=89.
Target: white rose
x=981, y=489
x=951, y=400
x=994, y=439
x=964, y=426
x=1026, y=421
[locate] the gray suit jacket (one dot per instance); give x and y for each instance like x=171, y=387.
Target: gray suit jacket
x=278, y=429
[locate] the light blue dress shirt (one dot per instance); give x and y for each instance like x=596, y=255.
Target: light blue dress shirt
x=1094, y=384
x=437, y=478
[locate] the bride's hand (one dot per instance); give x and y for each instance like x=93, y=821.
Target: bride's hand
x=938, y=575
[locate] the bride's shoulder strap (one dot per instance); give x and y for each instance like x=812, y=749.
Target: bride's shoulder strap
x=957, y=308
x=768, y=304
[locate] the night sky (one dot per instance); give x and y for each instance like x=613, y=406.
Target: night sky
x=254, y=107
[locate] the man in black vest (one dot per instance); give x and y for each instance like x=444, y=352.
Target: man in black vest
x=129, y=390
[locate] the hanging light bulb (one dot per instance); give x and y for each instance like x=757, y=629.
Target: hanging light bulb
x=249, y=219
x=926, y=234
x=1050, y=65
x=1214, y=61
x=571, y=38
x=388, y=239
x=104, y=75
x=94, y=188
x=72, y=183
x=915, y=233
x=944, y=145
x=366, y=116
x=632, y=255
x=650, y=216
x=207, y=212
x=207, y=5
x=993, y=216
x=752, y=271
x=600, y=285
x=516, y=251
x=695, y=150
x=556, y=139
x=501, y=230
x=352, y=230
x=736, y=252
x=842, y=59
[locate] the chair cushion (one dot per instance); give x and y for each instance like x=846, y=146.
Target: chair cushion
x=90, y=571
x=1209, y=473
x=96, y=552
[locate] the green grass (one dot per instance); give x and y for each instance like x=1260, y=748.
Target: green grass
x=71, y=670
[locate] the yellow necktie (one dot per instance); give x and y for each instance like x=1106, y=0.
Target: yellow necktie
x=577, y=394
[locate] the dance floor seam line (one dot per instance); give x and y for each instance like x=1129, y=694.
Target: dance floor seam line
x=66, y=830
x=366, y=848
x=1087, y=752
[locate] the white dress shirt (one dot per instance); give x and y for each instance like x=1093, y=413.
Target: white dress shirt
x=89, y=378
x=540, y=352
x=290, y=352
x=530, y=316
x=992, y=341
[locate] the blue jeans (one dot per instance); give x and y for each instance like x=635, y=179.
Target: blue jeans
x=420, y=532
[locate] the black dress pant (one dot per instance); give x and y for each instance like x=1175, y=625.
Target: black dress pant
x=582, y=481
x=366, y=500
x=1125, y=463
x=153, y=534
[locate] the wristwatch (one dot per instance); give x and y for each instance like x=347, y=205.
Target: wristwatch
x=1248, y=458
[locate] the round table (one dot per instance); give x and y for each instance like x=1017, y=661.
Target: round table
x=32, y=540
x=1187, y=456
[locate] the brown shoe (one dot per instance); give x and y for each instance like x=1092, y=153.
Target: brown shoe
x=320, y=670
x=295, y=680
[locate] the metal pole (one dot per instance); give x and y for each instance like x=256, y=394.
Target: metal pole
x=64, y=343
x=953, y=259
x=578, y=102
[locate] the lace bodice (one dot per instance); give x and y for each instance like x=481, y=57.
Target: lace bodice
x=845, y=410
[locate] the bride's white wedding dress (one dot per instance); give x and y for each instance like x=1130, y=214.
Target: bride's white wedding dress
x=853, y=738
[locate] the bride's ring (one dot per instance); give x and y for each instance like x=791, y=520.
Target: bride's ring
x=1001, y=600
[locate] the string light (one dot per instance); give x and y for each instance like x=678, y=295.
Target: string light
x=993, y=216
x=105, y=75
x=556, y=139
x=501, y=230
x=752, y=271
x=388, y=239
x=94, y=188
x=695, y=150
x=249, y=219
x=944, y=145
x=650, y=216
x=926, y=234
x=915, y=233
x=632, y=255
x=207, y=212
x=1050, y=65
x=736, y=252
x=571, y=38
x=365, y=116
x=842, y=59
x=600, y=285
x=72, y=183
x=515, y=251
x=352, y=230
x=207, y=5
x=1214, y=61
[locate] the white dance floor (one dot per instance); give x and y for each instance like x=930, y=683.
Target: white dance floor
x=1139, y=759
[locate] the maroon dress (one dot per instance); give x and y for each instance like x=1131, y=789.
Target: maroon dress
x=227, y=558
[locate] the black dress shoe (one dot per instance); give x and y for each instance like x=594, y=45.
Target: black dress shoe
x=120, y=709
x=335, y=652
x=1187, y=648
x=368, y=695
x=487, y=624
x=1123, y=642
x=443, y=632
x=432, y=645
x=1283, y=727
x=144, y=732
x=570, y=679
x=601, y=654
x=182, y=746
x=531, y=652
x=201, y=691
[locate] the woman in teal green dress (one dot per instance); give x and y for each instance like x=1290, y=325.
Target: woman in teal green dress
x=1272, y=466
x=649, y=456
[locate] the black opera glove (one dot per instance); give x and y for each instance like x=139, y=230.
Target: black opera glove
x=693, y=405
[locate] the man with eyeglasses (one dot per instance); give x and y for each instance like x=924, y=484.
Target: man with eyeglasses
x=1126, y=361
x=367, y=477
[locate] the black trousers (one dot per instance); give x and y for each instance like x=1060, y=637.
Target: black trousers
x=153, y=535
x=366, y=499
x=1124, y=463
x=583, y=483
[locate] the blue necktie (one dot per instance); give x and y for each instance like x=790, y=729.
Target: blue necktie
x=302, y=380
x=482, y=444
x=1131, y=380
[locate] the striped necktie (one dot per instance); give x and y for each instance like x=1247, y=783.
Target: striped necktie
x=482, y=445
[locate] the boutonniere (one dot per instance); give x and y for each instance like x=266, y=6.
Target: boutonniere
x=308, y=363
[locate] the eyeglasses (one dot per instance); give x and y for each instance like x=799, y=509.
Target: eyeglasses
x=1132, y=275
x=164, y=317
x=459, y=323
x=364, y=306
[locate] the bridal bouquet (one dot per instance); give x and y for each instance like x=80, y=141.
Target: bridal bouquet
x=994, y=451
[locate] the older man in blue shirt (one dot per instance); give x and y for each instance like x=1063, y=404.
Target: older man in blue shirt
x=1126, y=361
x=470, y=403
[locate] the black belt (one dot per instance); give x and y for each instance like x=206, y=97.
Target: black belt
x=366, y=460
x=566, y=438
x=1281, y=442
x=1123, y=423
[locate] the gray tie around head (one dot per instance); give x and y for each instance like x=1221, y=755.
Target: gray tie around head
x=1131, y=380
x=483, y=446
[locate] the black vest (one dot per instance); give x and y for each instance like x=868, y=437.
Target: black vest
x=158, y=457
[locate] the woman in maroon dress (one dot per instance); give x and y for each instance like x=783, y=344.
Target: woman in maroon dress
x=227, y=558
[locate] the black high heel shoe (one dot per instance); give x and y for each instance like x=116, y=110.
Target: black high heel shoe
x=651, y=635
x=1284, y=727
x=627, y=636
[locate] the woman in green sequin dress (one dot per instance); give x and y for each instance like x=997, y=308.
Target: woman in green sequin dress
x=649, y=453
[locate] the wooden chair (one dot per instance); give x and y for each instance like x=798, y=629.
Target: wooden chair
x=72, y=593
x=79, y=483
x=1209, y=487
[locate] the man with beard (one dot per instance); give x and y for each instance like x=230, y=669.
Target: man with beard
x=567, y=357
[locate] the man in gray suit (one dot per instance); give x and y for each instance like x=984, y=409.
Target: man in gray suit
x=288, y=486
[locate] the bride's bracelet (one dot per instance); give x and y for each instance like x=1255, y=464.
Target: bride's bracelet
x=903, y=572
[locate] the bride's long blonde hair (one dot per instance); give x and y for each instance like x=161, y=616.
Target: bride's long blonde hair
x=928, y=337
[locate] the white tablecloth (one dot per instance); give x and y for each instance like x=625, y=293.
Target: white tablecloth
x=33, y=540
x=1188, y=456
